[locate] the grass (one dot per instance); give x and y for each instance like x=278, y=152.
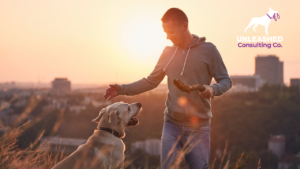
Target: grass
x=38, y=156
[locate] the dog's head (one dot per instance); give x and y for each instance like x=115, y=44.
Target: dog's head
x=119, y=115
x=272, y=12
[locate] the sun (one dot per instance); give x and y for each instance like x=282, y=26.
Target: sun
x=143, y=36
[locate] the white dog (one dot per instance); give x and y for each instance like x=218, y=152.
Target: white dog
x=104, y=149
x=264, y=21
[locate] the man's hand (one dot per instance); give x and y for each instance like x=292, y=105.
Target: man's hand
x=208, y=92
x=112, y=91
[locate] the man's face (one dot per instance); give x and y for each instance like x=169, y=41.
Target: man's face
x=174, y=32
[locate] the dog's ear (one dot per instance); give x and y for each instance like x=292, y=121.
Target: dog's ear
x=97, y=119
x=113, y=117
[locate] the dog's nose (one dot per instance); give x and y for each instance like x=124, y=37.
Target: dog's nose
x=139, y=104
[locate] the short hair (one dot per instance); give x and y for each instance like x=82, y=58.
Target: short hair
x=175, y=14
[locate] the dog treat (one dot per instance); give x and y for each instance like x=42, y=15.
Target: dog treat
x=188, y=88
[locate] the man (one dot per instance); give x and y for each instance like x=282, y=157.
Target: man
x=187, y=116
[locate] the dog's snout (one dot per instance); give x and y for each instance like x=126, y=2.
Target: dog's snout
x=139, y=105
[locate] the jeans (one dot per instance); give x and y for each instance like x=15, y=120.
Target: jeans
x=181, y=141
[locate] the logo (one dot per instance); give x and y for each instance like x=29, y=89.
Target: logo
x=258, y=40
x=264, y=20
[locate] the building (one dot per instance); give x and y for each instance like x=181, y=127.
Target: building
x=276, y=145
x=246, y=83
x=291, y=161
x=270, y=69
x=61, y=86
x=151, y=146
x=76, y=108
x=7, y=85
x=295, y=82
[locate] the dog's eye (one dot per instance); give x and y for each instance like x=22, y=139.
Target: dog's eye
x=128, y=108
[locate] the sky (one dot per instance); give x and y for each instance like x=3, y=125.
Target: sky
x=117, y=41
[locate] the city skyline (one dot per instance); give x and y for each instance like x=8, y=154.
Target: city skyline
x=260, y=66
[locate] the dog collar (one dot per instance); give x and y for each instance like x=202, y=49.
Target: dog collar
x=111, y=131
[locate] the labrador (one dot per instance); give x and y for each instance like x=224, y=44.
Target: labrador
x=105, y=148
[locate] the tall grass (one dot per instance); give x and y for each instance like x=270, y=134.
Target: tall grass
x=35, y=156
x=39, y=156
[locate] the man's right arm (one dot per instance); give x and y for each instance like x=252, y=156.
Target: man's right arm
x=145, y=84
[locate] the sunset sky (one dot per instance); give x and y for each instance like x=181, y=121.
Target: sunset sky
x=120, y=41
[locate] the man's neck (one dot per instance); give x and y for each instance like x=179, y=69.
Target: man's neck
x=187, y=41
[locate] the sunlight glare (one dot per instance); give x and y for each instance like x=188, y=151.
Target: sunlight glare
x=143, y=36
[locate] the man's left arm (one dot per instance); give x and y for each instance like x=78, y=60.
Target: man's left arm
x=218, y=70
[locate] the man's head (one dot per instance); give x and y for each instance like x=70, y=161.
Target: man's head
x=175, y=24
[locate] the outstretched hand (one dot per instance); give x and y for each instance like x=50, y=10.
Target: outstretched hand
x=112, y=91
